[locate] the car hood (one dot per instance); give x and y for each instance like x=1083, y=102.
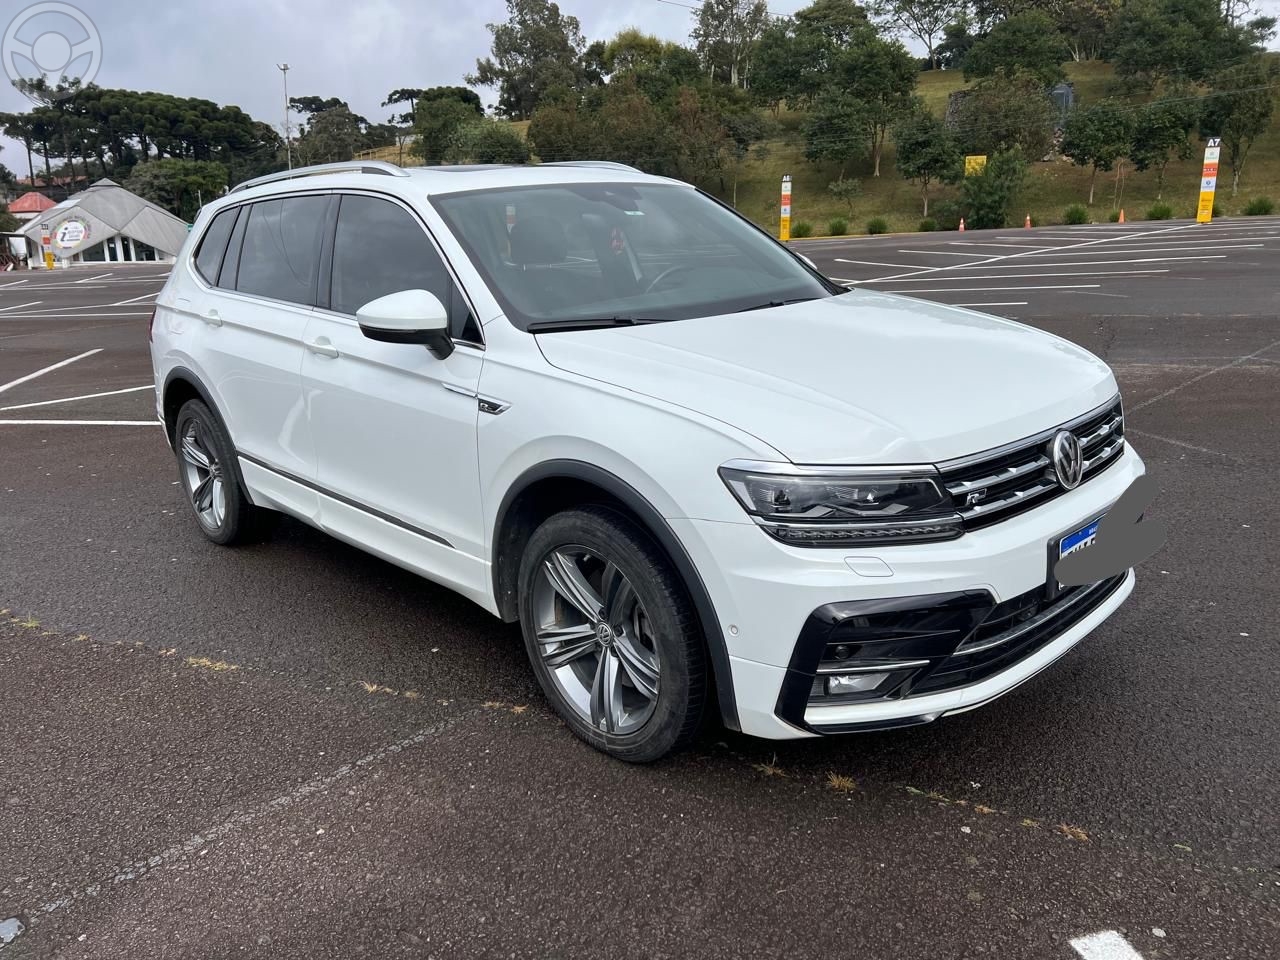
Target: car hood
x=859, y=378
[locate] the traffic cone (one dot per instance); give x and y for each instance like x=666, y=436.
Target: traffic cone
x=1027, y=225
x=962, y=224
x=1121, y=220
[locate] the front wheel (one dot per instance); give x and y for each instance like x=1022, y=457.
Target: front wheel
x=612, y=635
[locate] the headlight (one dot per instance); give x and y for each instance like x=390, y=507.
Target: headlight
x=844, y=506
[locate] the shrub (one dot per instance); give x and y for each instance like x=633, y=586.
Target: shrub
x=946, y=215
x=838, y=227
x=1075, y=214
x=877, y=225
x=1217, y=211
x=1114, y=216
x=928, y=225
x=802, y=229
x=1161, y=211
x=1259, y=207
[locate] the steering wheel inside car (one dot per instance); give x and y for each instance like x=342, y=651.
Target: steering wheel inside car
x=670, y=271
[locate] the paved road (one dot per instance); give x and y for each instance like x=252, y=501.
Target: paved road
x=296, y=750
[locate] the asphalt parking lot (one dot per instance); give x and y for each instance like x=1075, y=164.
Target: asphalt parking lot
x=297, y=750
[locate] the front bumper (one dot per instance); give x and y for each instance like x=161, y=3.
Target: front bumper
x=765, y=592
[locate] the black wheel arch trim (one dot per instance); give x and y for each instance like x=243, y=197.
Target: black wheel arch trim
x=182, y=373
x=658, y=527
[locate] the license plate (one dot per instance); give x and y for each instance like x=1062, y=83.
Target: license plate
x=1067, y=544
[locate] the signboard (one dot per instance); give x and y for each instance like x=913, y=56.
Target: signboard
x=1209, y=180
x=70, y=233
x=974, y=165
x=784, y=221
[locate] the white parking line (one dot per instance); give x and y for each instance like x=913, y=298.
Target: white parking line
x=1107, y=945
x=80, y=423
x=87, y=279
x=40, y=373
x=1006, y=303
x=87, y=396
x=878, y=263
x=1018, y=276
x=145, y=296
x=75, y=316
x=1180, y=248
x=1094, y=263
x=1182, y=386
x=1063, y=286
x=1020, y=246
x=19, y=306
x=947, y=253
x=14, y=284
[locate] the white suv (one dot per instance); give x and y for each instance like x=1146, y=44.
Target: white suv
x=700, y=475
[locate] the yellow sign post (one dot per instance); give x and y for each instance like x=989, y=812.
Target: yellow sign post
x=1209, y=180
x=784, y=221
x=975, y=164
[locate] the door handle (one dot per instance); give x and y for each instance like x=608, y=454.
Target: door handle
x=321, y=346
x=212, y=318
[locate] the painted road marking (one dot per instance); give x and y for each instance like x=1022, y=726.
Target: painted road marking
x=74, y=316
x=100, y=276
x=87, y=396
x=1095, y=263
x=878, y=263
x=1180, y=248
x=80, y=423
x=145, y=296
x=1061, y=286
x=1025, y=276
x=40, y=373
x=189, y=849
x=1107, y=945
x=20, y=306
x=14, y=284
x=1006, y=303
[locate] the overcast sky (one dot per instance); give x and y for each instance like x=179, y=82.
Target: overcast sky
x=357, y=50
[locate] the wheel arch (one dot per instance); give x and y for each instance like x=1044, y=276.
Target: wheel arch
x=181, y=386
x=555, y=485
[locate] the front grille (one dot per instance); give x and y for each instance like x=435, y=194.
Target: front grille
x=1013, y=631
x=1002, y=483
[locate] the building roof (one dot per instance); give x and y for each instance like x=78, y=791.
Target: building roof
x=105, y=209
x=31, y=202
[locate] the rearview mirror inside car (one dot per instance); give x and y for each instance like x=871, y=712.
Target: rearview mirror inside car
x=409, y=316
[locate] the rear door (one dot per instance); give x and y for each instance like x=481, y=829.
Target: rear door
x=394, y=427
x=254, y=318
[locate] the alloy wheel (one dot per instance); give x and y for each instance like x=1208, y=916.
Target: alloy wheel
x=203, y=475
x=596, y=640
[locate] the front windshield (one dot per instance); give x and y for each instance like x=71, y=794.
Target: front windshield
x=588, y=251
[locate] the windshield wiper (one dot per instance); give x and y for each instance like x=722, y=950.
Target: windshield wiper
x=590, y=323
x=777, y=303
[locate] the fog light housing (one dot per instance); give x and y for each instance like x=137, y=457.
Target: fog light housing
x=845, y=683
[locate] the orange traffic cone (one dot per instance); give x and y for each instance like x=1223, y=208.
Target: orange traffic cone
x=1121, y=220
x=962, y=224
x=1027, y=225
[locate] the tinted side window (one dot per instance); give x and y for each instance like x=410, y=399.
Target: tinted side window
x=280, y=255
x=214, y=244
x=380, y=249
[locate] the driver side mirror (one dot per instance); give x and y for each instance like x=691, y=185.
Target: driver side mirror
x=410, y=316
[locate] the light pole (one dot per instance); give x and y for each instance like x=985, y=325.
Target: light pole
x=288, y=147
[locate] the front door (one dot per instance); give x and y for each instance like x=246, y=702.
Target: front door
x=394, y=427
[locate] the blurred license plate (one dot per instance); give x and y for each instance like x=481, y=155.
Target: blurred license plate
x=1066, y=544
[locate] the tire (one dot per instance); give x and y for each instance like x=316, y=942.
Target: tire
x=629, y=678
x=208, y=472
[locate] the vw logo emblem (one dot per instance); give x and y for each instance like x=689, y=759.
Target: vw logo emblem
x=1067, y=459
x=604, y=633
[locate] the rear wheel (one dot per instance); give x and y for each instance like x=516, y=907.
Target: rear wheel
x=207, y=471
x=611, y=634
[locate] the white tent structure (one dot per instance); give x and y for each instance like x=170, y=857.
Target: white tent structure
x=107, y=223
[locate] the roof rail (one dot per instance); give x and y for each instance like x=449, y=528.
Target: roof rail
x=354, y=166
x=604, y=164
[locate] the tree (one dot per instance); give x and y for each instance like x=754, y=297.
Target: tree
x=538, y=49
x=836, y=130
x=486, y=141
x=437, y=122
x=927, y=150
x=1238, y=110
x=1084, y=25
x=846, y=191
x=413, y=96
x=1161, y=132
x=1004, y=113
x=180, y=186
x=956, y=43
x=1185, y=40
x=987, y=198
x=8, y=222
x=725, y=36
x=1028, y=41
x=333, y=135
x=878, y=77
x=1097, y=137
x=924, y=20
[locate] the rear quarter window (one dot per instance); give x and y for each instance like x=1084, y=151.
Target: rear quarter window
x=213, y=245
